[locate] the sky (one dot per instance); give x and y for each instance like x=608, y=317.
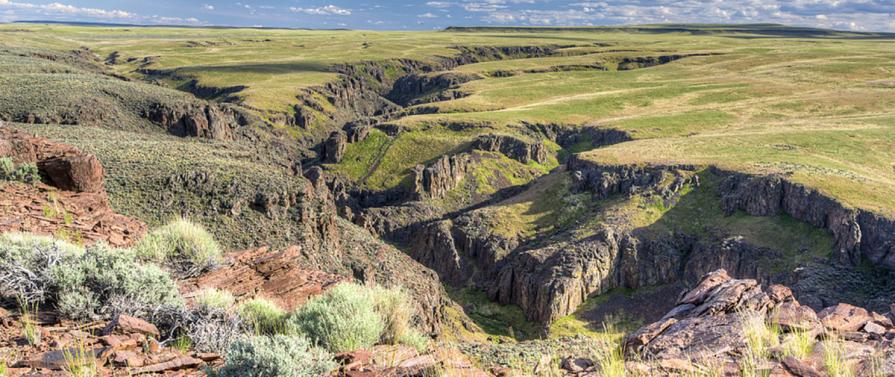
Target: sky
x=858, y=15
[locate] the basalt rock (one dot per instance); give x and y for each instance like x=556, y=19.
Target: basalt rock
x=512, y=147
x=414, y=89
x=275, y=275
x=210, y=121
x=709, y=324
x=858, y=233
x=435, y=180
x=334, y=147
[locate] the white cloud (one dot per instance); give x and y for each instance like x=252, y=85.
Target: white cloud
x=328, y=10
x=13, y=10
x=208, y=7
x=427, y=15
x=439, y=4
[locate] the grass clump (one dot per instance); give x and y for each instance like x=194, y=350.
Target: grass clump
x=265, y=316
x=30, y=329
x=396, y=310
x=760, y=337
x=183, y=245
x=214, y=299
x=80, y=361
x=342, y=319
x=610, y=356
x=835, y=361
x=277, y=355
x=799, y=343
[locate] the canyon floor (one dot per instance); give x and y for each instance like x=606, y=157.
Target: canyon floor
x=535, y=190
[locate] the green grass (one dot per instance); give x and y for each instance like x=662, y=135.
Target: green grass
x=500, y=321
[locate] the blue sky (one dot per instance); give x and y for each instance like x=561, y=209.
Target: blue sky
x=866, y=15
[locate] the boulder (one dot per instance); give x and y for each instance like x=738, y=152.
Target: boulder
x=844, y=317
x=79, y=173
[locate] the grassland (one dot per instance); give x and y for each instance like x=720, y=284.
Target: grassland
x=815, y=105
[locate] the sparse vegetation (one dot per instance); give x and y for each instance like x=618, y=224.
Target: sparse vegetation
x=264, y=315
x=211, y=298
x=183, y=245
x=835, y=361
x=276, y=355
x=80, y=361
x=25, y=173
x=760, y=337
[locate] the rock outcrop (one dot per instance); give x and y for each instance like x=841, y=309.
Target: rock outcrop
x=275, y=275
x=334, y=147
x=64, y=166
x=73, y=205
x=513, y=147
x=718, y=322
x=858, y=233
x=435, y=180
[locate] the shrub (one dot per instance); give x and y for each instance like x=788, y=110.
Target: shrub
x=81, y=283
x=27, y=173
x=25, y=261
x=6, y=167
x=183, y=245
x=415, y=339
x=264, y=316
x=213, y=330
x=342, y=319
x=277, y=355
x=212, y=298
x=396, y=310
x=101, y=275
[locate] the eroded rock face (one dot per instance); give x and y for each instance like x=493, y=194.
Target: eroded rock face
x=443, y=175
x=857, y=233
x=512, y=147
x=334, y=147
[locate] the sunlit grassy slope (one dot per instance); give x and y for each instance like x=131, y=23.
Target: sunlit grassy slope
x=818, y=106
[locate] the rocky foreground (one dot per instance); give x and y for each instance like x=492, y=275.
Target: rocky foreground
x=736, y=327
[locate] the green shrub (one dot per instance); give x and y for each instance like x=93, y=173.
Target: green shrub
x=396, y=310
x=415, y=339
x=183, y=245
x=25, y=261
x=87, y=285
x=264, y=316
x=82, y=283
x=6, y=168
x=342, y=319
x=26, y=173
x=214, y=299
x=275, y=356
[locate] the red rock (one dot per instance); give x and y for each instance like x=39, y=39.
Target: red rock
x=183, y=362
x=127, y=324
x=274, y=275
x=780, y=293
x=844, y=317
x=874, y=328
x=79, y=173
x=706, y=285
x=792, y=316
x=799, y=368
x=576, y=364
